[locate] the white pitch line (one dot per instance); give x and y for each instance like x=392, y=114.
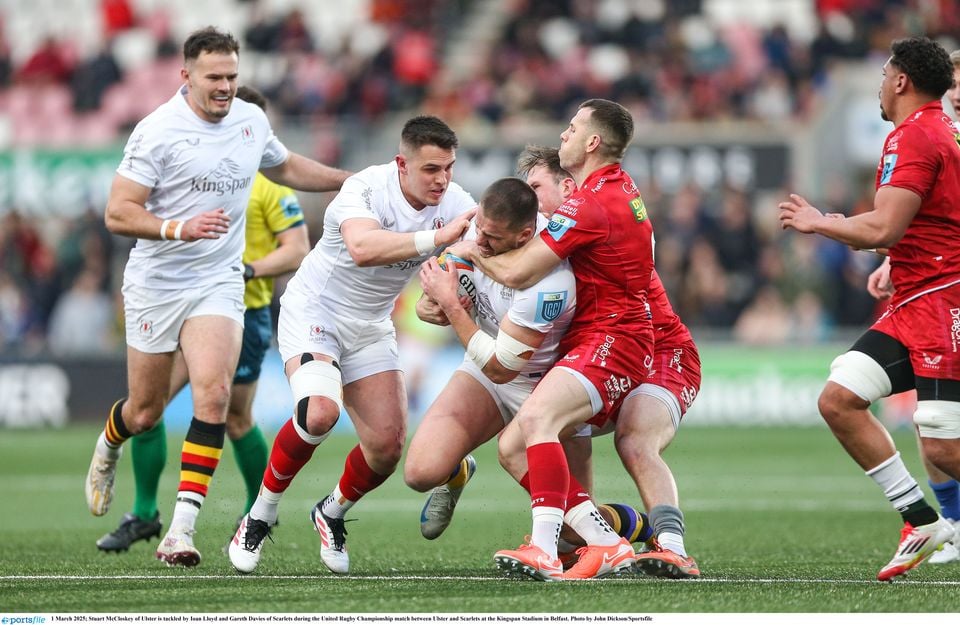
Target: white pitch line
x=716, y=580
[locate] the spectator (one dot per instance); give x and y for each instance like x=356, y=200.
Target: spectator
x=92, y=77
x=117, y=17
x=82, y=321
x=48, y=64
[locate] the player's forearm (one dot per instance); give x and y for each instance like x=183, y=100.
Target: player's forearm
x=509, y=269
x=130, y=219
x=429, y=311
x=305, y=174
x=465, y=327
x=863, y=232
x=375, y=248
x=283, y=259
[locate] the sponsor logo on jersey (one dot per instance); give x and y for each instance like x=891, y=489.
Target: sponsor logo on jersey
x=639, y=210
x=889, y=162
x=893, y=143
x=485, y=308
x=405, y=265
x=550, y=305
x=596, y=188
x=931, y=362
x=559, y=225
x=290, y=206
x=225, y=172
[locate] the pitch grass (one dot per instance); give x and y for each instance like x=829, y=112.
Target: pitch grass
x=780, y=520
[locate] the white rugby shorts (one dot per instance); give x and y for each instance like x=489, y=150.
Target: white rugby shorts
x=361, y=348
x=154, y=318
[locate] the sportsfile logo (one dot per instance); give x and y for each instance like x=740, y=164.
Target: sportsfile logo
x=14, y=620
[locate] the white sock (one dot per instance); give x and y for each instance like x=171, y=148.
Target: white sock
x=673, y=542
x=336, y=505
x=266, y=505
x=896, y=482
x=546, y=529
x=185, y=512
x=585, y=520
x=106, y=449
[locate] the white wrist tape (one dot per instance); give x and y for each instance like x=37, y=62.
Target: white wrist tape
x=509, y=350
x=163, y=229
x=176, y=233
x=480, y=348
x=424, y=241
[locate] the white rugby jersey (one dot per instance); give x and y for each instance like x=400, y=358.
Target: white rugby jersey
x=192, y=166
x=546, y=307
x=328, y=273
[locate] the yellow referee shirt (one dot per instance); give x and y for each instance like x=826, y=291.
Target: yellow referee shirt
x=273, y=208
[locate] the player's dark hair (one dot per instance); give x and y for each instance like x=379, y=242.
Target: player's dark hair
x=208, y=40
x=251, y=95
x=540, y=156
x=427, y=130
x=511, y=201
x=613, y=123
x=925, y=62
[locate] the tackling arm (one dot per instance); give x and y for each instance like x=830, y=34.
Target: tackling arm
x=370, y=245
x=520, y=268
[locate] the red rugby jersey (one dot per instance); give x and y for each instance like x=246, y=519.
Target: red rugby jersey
x=604, y=230
x=922, y=155
x=668, y=328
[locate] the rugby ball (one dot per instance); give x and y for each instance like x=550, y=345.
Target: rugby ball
x=464, y=275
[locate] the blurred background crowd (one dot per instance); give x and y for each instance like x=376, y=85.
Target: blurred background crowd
x=75, y=75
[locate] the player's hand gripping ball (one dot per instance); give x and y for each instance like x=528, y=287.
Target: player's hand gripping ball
x=464, y=275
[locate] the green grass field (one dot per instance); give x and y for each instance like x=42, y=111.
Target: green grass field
x=780, y=520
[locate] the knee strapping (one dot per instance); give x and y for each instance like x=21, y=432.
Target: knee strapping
x=315, y=378
x=861, y=375
x=938, y=419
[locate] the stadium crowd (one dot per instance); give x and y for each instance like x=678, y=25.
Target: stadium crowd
x=719, y=253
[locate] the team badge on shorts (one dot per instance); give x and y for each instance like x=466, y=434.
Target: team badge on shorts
x=317, y=333
x=550, y=305
x=146, y=328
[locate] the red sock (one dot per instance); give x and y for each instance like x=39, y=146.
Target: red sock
x=576, y=494
x=525, y=482
x=290, y=452
x=358, y=478
x=549, y=475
